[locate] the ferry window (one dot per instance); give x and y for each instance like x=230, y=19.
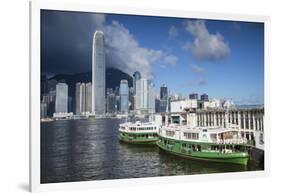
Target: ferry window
x=195, y=136
x=170, y=133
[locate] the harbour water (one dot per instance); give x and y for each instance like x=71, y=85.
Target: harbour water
x=80, y=150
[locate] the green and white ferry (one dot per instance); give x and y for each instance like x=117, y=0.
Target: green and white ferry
x=139, y=133
x=216, y=144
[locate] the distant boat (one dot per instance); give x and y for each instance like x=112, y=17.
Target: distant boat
x=138, y=133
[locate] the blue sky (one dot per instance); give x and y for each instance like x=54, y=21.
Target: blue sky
x=221, y=58
x=239, y=75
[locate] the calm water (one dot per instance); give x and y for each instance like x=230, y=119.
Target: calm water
x=79, y=150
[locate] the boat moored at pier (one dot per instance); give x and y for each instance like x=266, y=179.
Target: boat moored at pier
x=139, y=133
x=214, y=144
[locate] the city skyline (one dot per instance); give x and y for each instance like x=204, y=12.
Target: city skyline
x=233, y=68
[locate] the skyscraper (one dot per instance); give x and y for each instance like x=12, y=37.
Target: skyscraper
x=83, y=98
x=88, y=97
x=151, y=99
x=61, y=98
x=98, y=74
x=79, y=98
x=204, y=97
x=193, y=96
x=137, y=90
x=136, y=77
x=144, y=94
x=124, y=96
x=163, y=103
x=111, y=105
x=164, y=92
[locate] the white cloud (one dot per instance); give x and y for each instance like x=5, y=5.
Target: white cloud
x=173, y=32
x=205, y=46
x=197, y=68
x=170, y=60
x=201, y=82
x=125, y=53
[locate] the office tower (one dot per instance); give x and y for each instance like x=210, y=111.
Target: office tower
x=204, y=97
x=50, y=99
x=69, y=104
x=163, y=92
x=79, y=98
x=136, y=77
x=43, y=85
x=124, y=96
x=151, y=99
x=88, y=97
x=98, y=74
x=144, y=94
x=131, y=98
x=163, y=103
x=110, y=101
x=193, y=96
x=43, y=110
x=163, y=106
x=61, y=98
x=137, y=90
x=83, y=98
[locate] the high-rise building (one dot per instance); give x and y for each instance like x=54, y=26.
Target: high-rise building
x=164, y=92
x=144, y=94
x=136, y=77
x=111, y=105
x=61, y=98
x=43, y=110
x=88, y=97
x=151, y=99
x=204, y=97
x=83, y=98
x=137, y=90
x=98, y=74
x=124, y=96
x=79, y=98
x=131, y=98
x=193, y=96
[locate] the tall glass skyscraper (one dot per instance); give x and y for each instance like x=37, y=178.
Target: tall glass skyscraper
x=144, y=94
x=98, y=74
x=137, y=90
x=79, y=98
x=124, y=96
x=163, y=92
x=61, y=98
x=88, y=97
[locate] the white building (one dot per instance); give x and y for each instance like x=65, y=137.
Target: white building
x=151, y=99
x=61, y=98
x=213, y=103
x=124, y=96
x=79, y=98
x=88, y=97
x=181, y=105
x=98, y=74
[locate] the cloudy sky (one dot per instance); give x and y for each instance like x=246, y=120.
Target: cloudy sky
x=221, y=58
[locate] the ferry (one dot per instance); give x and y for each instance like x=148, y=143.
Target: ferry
x=216, y=144
x=138, y=133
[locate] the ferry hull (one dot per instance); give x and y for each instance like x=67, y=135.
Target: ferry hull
x=232, y=158
x=139, y=141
